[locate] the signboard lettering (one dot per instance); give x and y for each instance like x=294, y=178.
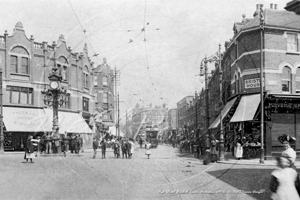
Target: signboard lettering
x=252, y=83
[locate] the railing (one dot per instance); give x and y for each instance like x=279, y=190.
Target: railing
x=38, y=45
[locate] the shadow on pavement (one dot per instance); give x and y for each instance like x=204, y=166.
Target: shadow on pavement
x=254, y=182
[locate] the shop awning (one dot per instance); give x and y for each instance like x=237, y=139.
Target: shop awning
x=224, y=112
x=69, y=122
x=246, y=108
x=18, y=119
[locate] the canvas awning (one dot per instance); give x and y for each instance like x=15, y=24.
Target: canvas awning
x=224, y=112
x=247, y=108
x=69, y=122
x=18, y=119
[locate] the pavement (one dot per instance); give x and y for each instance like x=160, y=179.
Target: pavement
x=230, y=159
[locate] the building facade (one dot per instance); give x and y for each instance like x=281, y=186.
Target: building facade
x=26, y=65
x=274, y=38
x=104, y=82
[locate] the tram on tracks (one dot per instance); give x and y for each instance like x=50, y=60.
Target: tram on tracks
x=152, y=136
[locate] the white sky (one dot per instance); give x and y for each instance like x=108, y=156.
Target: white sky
x=163, y=70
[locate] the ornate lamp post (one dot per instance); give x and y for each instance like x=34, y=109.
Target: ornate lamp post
x=55, y=96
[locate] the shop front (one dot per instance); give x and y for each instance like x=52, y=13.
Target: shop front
x=20, y=122
x=244, y=126
x=282, y=117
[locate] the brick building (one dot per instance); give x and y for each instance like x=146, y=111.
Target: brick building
x=241, y=65
x=104, y=82
x=26, y=65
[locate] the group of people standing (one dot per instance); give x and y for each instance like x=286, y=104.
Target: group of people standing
x=126, y=146
x=50, y=144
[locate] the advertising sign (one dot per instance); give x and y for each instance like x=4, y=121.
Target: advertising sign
x=252, y=83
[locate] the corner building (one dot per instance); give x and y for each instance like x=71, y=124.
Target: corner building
x=26, y=65
x=241, y=65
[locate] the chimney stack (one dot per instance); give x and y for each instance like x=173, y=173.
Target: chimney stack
x=275, y=6
x=257, y=10
x=271, y=6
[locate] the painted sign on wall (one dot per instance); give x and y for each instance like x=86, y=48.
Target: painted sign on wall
x=252, y=83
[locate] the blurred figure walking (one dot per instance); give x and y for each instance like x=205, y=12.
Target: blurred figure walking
x=148, y=151
x=95, y=147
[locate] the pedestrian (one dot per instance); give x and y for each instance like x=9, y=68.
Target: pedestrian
x=141, y=142
x=148, y=151
x=64, y=145
x=29, y=149
x=48, y=143
x=42, y=144
x=131, y=149
x=55, y=144
x=239, y=149
x=117, y=148
x=289, y=152
x=282, y=182
x=77, y=144
x=213, y=149
x=124, y=149
x=103, y=148
x=81, y=143
x=72, y=144
x=95, y=147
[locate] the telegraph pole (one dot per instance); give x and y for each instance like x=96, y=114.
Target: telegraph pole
x=118, y=117
x=116, y=96
x=262, y=153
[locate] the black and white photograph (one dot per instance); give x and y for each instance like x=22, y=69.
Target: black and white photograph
x=150, y=100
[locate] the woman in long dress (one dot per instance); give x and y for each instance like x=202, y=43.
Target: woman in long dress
x=29, y=149
x=283, y=181
x=239, y=150
x=148, y=151
x=132, y=147
x=289, y=152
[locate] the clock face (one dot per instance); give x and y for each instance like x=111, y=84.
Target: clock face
x=54, y=85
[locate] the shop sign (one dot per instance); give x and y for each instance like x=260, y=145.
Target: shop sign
x=283, y=105
x=252, y=83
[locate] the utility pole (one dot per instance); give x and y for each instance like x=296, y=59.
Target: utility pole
x=221, y=149
x=262, y=153
x=116, y=82
x=118, y=117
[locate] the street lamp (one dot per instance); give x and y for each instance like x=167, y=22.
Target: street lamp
x=55, y=96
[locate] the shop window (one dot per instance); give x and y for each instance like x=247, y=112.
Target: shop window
x=292, y=42
x=286, y=80
x=85, y=104
x=19, y=60
x=298, y=80
x=20, y=95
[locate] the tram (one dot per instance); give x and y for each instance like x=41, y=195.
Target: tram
x=152, y=136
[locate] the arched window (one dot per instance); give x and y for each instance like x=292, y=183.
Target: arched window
x=62, y=65
x=86, y=77
x=19, y=60
x=298, y=80
x=286, y=80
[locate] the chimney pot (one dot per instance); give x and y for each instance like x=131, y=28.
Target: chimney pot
x=271, y=6
x=275, y=6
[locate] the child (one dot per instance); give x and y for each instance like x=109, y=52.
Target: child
x=283, y=180
x=148, y=151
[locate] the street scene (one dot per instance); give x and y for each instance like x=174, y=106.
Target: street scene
x=168, y=174
x=145, y=99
